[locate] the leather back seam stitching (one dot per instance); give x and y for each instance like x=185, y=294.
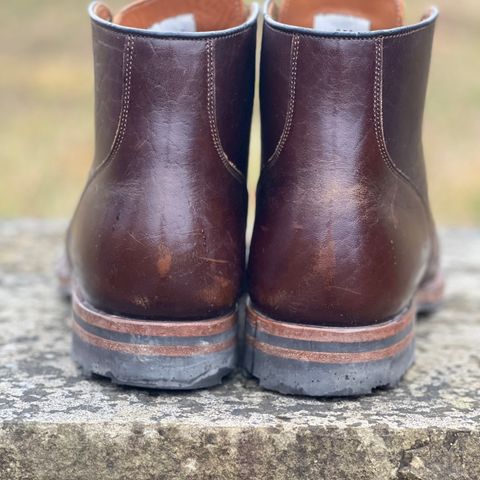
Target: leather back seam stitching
x=295, y=49
x=125, y=109
x=127, y=69
x=212, y=114
x=379, y=128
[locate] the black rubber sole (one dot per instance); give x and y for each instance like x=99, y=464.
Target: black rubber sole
x=334, y=362
x=328, y=362
x=153, y=354
x=294, y=377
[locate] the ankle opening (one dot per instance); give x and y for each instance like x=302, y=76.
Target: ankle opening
x=182, y=16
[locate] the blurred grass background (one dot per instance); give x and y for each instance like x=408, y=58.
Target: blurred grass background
x=46, y=114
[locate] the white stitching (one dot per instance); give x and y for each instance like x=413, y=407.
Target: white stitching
x=212, y=114
x=291, y=102
x=122, y=123
x=121, y=126
x=379, y=122
x=126, y=101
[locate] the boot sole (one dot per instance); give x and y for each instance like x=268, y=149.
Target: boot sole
x=153, y=354
x=334, y=362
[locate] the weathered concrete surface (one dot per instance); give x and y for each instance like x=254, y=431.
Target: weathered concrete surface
x=57, y=425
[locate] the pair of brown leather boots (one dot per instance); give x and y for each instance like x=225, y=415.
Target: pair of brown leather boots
x=344, y=252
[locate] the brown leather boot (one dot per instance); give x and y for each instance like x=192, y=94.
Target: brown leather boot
x=344, y=251
x=156, y=246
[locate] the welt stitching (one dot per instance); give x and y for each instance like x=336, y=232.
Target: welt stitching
x=212, y=114
x=379, y=122
x=340, y=38
x=291, y=102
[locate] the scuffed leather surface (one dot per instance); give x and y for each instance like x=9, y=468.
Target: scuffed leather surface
x=159, y=231
x=406, y=63
x=275, y=87
x=406, y=66
x=108, y=69
x=340, y=238
x=235, y=85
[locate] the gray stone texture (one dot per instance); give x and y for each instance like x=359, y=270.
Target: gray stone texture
x=55, y=424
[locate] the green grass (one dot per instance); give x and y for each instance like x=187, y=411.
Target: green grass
x=46, y=121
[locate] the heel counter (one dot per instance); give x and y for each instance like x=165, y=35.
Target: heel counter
x=352, y=270
x=131, y=267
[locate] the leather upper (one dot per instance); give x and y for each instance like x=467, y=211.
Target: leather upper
x=159, y=230
x=344, y=234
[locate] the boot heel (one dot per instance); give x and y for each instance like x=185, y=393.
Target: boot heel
x=153, y=354
x=325, y=361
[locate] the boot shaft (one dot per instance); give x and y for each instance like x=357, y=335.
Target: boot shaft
x=346, y=90
x=159, y=230
x=343, y=213
x=344, y=252
x=173, y=85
